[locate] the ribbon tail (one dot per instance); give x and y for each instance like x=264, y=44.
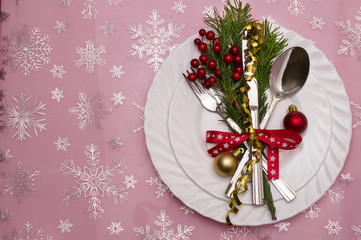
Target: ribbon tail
x=272, y=163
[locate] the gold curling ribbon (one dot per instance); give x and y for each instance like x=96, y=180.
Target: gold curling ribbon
x=254, y=40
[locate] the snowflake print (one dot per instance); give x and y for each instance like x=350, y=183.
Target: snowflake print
x=89, y=10
x=186, y=210
x=357, y=230
x=317, y=23
x=62, y=144
x=164, y=233
x=4, y=16
x=155, y=41
x=65, y=226
x=64, y=3
x=313, y=212
x=21, y=117
x=357, y=114
x=269, y=19
x=353, y=33
x=239, y=233
x=130, y=181
x=208, y=11
x=116, y=71
x=58, y=71
x=142, y=117
x=179, y=7
x=161, y=187
x=29, y=233
x=115, y=143
x=5, y=215
x=296, y=7
x=61, y=26
x=115, y=228
x=268, y=1
x=282, y=226
x=109, y=27
x=90, y=56
x=94, y=181
x=117, y=98
x=333, y=228
x=20, y=182
x=5, y=156
x=57, y=94
x=115, y=2
x=89, y=110
x=335, y=194
x=26, y=50
x=346, y=179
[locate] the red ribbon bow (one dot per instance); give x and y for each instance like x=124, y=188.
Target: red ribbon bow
x=275, y=139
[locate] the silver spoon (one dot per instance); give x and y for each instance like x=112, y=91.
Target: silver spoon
x=289, y=73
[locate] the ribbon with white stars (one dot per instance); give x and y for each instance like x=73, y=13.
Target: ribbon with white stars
x=275, y=139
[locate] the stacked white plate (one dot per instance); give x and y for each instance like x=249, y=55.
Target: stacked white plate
x=176, y=125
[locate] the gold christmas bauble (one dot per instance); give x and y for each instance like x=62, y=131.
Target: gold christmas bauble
x=225, y=164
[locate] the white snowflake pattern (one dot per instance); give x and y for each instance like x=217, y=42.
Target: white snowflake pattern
x=89, y=10
x=208, y=11
x=317, y=23
x=335, y=194
x=239, y=233
x=26, y=50
x=29, y=233
x=353, y=33
x=21, y=117
x=313, y=211
x=333, y=227
x=58, y=71
x=109, y=27
x=115, y=2
x=161, y=187
x=282, y=226
x=142, y=118
x=164, y=233
x=346, y=179
x=130, y=182
x=118, y=98
x=64, y=3
x=94, y=181
x=186, y=210
x=89, y=110
x=269, y=19
x=89, y=56
x=61, y=26
x=65, y=226
x=296, y=7
x=179, y=7
x=5, y=215
x=115, y=228
x=20, y=182
x=115, y=143
x=357, y=114
x=268, y=1
x=357, y=230
x=5, y=156
x=155, y=41
x=116, y=71
x=62, y=144
x=57, y=94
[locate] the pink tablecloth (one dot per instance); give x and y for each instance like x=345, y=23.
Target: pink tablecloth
x=82, y=100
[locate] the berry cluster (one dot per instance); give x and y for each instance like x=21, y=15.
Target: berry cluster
x=204, y=63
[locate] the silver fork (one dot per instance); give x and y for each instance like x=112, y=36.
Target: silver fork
x=210, y=101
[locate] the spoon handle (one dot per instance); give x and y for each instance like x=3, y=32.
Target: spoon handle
x=268, y=114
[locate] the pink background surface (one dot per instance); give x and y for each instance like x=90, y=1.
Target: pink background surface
x=339, y=209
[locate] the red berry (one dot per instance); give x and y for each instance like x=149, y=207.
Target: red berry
x=239, y=69
x=194, y=63
x=202, y=47
x=217, y=48
x=201, y=72
x=212, y=64
x=192, y=77
x=207, y=84
x=197, y=41
x=217, y=73
x=210, y=35
x=228, y=58
x=203, y=58
x=216, y=41
x=212, y=80
x=234, y=50
x=202, y=32
x=236, y=76
x=237, y=59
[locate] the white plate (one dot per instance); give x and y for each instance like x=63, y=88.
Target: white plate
x=188, y=122
x=157, y=139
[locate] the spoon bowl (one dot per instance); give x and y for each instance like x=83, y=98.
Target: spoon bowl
x=289, y=73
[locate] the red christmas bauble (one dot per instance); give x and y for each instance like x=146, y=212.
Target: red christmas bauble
x=197, y=41
x=203, y=58
x=234, y=50
x=201, y=72
x=202, y=47
x=210, y=35
x=228, y=58
x=212, y=64
x=195, y=63
x=295, y=120
x=236, y=76
x=239, y=69
x=192, y=77
x=237, y=59
x=202, y=32
x=217, y=48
